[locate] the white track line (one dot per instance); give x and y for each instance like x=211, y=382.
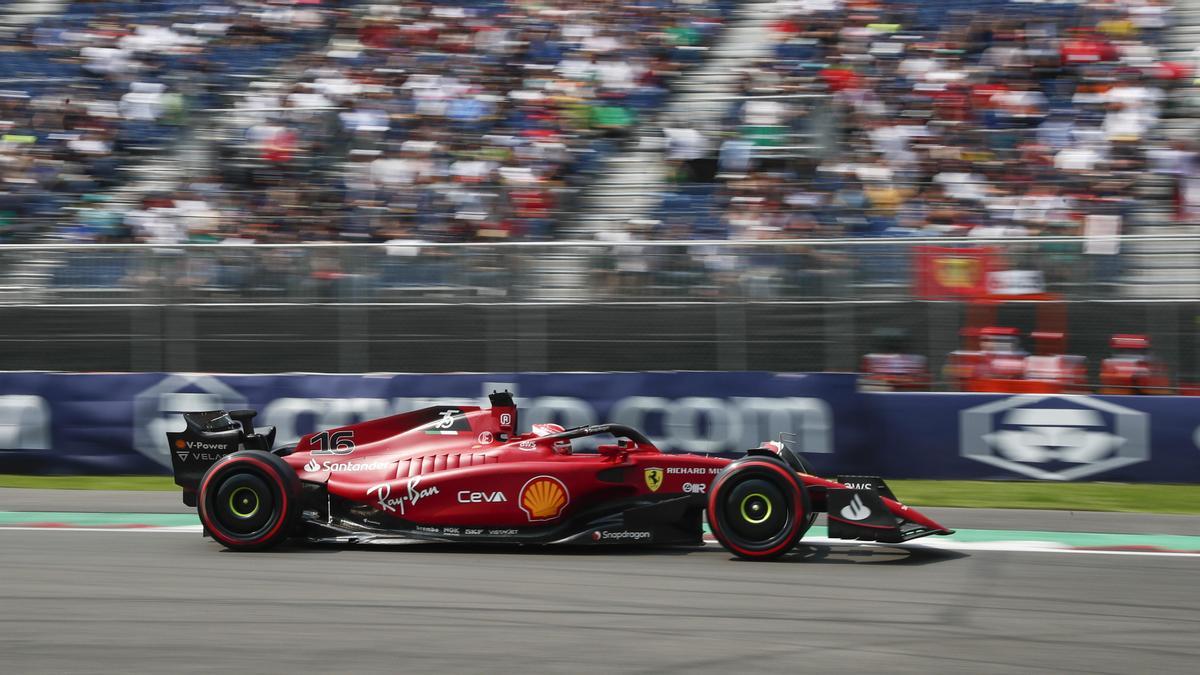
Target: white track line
x=190, y=529
x=998, y=546
x=932, y=544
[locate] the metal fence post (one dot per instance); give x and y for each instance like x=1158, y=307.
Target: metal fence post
x=731, y=335
x=180, y=336
x=531, y=324
x=148, y=338
x=353, y=315
x=1163, y=329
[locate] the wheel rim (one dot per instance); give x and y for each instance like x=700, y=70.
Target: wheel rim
x=244, y=504
x=756, y=508
x=757, y=511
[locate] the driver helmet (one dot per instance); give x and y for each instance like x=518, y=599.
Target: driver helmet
x=562, y=447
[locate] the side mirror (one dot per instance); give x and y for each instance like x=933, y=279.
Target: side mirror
x=610, y=450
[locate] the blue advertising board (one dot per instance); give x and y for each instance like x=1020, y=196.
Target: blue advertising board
x=1035, y=436
x=115, y=423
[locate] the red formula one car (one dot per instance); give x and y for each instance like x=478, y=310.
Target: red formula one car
x=464, y=474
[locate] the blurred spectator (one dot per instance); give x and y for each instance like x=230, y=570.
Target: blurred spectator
x=478, y=121
x=1014, y=122
x=453, y=123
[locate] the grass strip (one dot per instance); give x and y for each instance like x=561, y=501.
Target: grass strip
x=140, y=483
x=1127, y=497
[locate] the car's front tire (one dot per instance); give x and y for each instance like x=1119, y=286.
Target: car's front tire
x=758, y=508
x=249, y=501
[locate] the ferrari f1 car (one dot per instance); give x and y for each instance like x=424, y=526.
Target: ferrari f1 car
x=465, y=474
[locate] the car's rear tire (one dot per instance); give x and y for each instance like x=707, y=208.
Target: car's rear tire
x=249, y=501
x=758, y=508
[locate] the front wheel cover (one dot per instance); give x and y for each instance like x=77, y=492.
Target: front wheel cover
x=758, y=508
x=249, y=500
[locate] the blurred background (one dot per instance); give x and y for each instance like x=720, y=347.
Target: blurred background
x=717, y=221
x=988, y=196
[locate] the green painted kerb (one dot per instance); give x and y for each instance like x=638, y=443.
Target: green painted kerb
x=1067, y=539
x=98, y=519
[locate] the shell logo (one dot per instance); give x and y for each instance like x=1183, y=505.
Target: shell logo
x=179, y=443
x=544, y=498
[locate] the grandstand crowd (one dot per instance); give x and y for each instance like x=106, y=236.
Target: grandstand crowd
x=481, y=120
x=949, y=118
x=331, y=120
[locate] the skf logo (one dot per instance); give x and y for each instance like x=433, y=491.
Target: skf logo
x=654, y=479
x=1070, y=437
x=544, y=498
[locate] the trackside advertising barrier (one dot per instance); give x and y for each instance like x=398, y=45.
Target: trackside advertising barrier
x=115, y=423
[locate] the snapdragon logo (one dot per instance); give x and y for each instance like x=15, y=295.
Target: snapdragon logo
x=1055, y=438
x=621, y=535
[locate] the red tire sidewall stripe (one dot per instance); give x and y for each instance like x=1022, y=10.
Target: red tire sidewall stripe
x=800, y=513
x=283, y=500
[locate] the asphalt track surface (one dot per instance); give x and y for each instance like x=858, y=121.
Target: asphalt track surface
x=120, y=602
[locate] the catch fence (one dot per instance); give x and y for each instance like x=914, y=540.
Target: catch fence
x=409, y=306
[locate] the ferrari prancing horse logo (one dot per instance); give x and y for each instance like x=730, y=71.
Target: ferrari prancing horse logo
x=654, y=479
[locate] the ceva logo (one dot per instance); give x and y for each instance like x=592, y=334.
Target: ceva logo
x=1082, y=435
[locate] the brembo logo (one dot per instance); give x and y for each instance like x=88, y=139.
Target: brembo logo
x=856, y=510
x=1055, y=437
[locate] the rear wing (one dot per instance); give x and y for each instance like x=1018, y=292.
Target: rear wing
x=207, y=437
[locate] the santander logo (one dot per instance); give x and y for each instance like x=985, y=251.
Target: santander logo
x=365, y=465
x=855, y=510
